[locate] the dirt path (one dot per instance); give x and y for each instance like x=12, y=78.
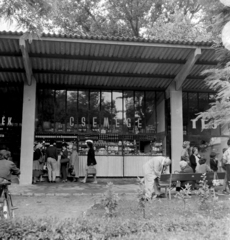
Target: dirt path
x=52, y=206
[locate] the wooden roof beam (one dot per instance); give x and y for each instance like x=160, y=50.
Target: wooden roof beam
x=26, y=61
x=186, y=69
x=184, y=72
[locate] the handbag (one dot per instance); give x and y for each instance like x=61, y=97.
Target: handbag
x=216, y=181
x=92, y=170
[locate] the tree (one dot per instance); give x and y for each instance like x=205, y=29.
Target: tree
x=218, y=79
x=166, y=19
x=27, y=14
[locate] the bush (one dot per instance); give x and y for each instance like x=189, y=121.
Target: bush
x=196, y=227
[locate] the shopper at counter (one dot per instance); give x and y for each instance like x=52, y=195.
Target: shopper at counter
x=51, y=159
x=64, y=162
x=91, y=162
x=194, y=159
x=152, y=171
x=37, y=163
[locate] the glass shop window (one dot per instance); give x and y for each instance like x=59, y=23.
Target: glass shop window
x=83, y=110
x=94, y=113
x=117, y=111
x=150, y=112
x=139, y=112
x=71, y=113
x=48, y=110
x=60, y=110
x=129, y=112
x=106, y=112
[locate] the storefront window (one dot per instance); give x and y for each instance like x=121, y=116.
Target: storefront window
x=150, y=113
x=83, y=110
x=106, y=112
x=117, y=111
x=94, y=116
x=48, y=110
x=72, y=97
x=139, y=112
x=60, y=110
x=129, y=112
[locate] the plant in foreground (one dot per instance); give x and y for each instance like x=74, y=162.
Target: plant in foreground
x=110, y=200
x=184, y=194
x=203, y=192
x=141, y=195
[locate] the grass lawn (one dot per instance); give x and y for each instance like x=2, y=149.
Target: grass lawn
x=165, y=220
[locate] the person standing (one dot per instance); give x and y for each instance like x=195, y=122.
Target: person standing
x=37, y=163
x=185, y=152
x=74, y=162
x=214, y=163
x=91, y=161
x=64, y=162
x=223, y=166
x=194, y=159
x=152, y=171
x=51, y=159
x=226, y=162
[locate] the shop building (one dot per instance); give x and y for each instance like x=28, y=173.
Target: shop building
x=135, y=98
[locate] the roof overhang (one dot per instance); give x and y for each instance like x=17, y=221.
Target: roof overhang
x=103, y=62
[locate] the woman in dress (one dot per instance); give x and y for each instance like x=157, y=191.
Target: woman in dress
x=91, y=161
x=194, y=159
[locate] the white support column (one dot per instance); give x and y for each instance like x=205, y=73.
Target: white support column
x=176, y=127
x=28, y=128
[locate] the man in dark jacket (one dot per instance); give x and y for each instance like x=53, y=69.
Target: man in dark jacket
x=213, y=162
x=6, y=169
x=51, y=159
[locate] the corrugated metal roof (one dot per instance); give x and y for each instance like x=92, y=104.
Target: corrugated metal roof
x=82, y=61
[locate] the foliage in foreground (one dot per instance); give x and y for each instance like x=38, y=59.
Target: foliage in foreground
x=197, y=227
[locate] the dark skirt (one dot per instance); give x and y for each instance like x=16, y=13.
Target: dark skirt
x=37, y=173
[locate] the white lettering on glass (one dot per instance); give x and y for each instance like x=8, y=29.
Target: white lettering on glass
x=83, y=121
x=139, y=123
x=3, y=120
x=94, y=122
x=71, y=121
x=9, y=122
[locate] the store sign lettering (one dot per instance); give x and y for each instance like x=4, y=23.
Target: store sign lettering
x=203, y=125
x=8, y=121
x=127, y=122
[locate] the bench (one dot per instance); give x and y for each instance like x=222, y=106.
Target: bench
x=166, y=180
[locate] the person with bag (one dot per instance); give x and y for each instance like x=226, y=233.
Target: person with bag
x=74, y=163
x=37, y=163
x=91, y=162
x=64, y=162
x=51, y=160
x=226, y=162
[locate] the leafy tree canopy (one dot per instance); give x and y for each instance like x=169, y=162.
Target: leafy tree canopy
x=174, y=20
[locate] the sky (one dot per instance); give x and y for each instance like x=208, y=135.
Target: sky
x=5, y=26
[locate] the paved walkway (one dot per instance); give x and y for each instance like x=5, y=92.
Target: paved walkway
x=121, y=186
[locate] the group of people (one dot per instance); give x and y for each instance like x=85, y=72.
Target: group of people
x=192, y=162
x=47, y=159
